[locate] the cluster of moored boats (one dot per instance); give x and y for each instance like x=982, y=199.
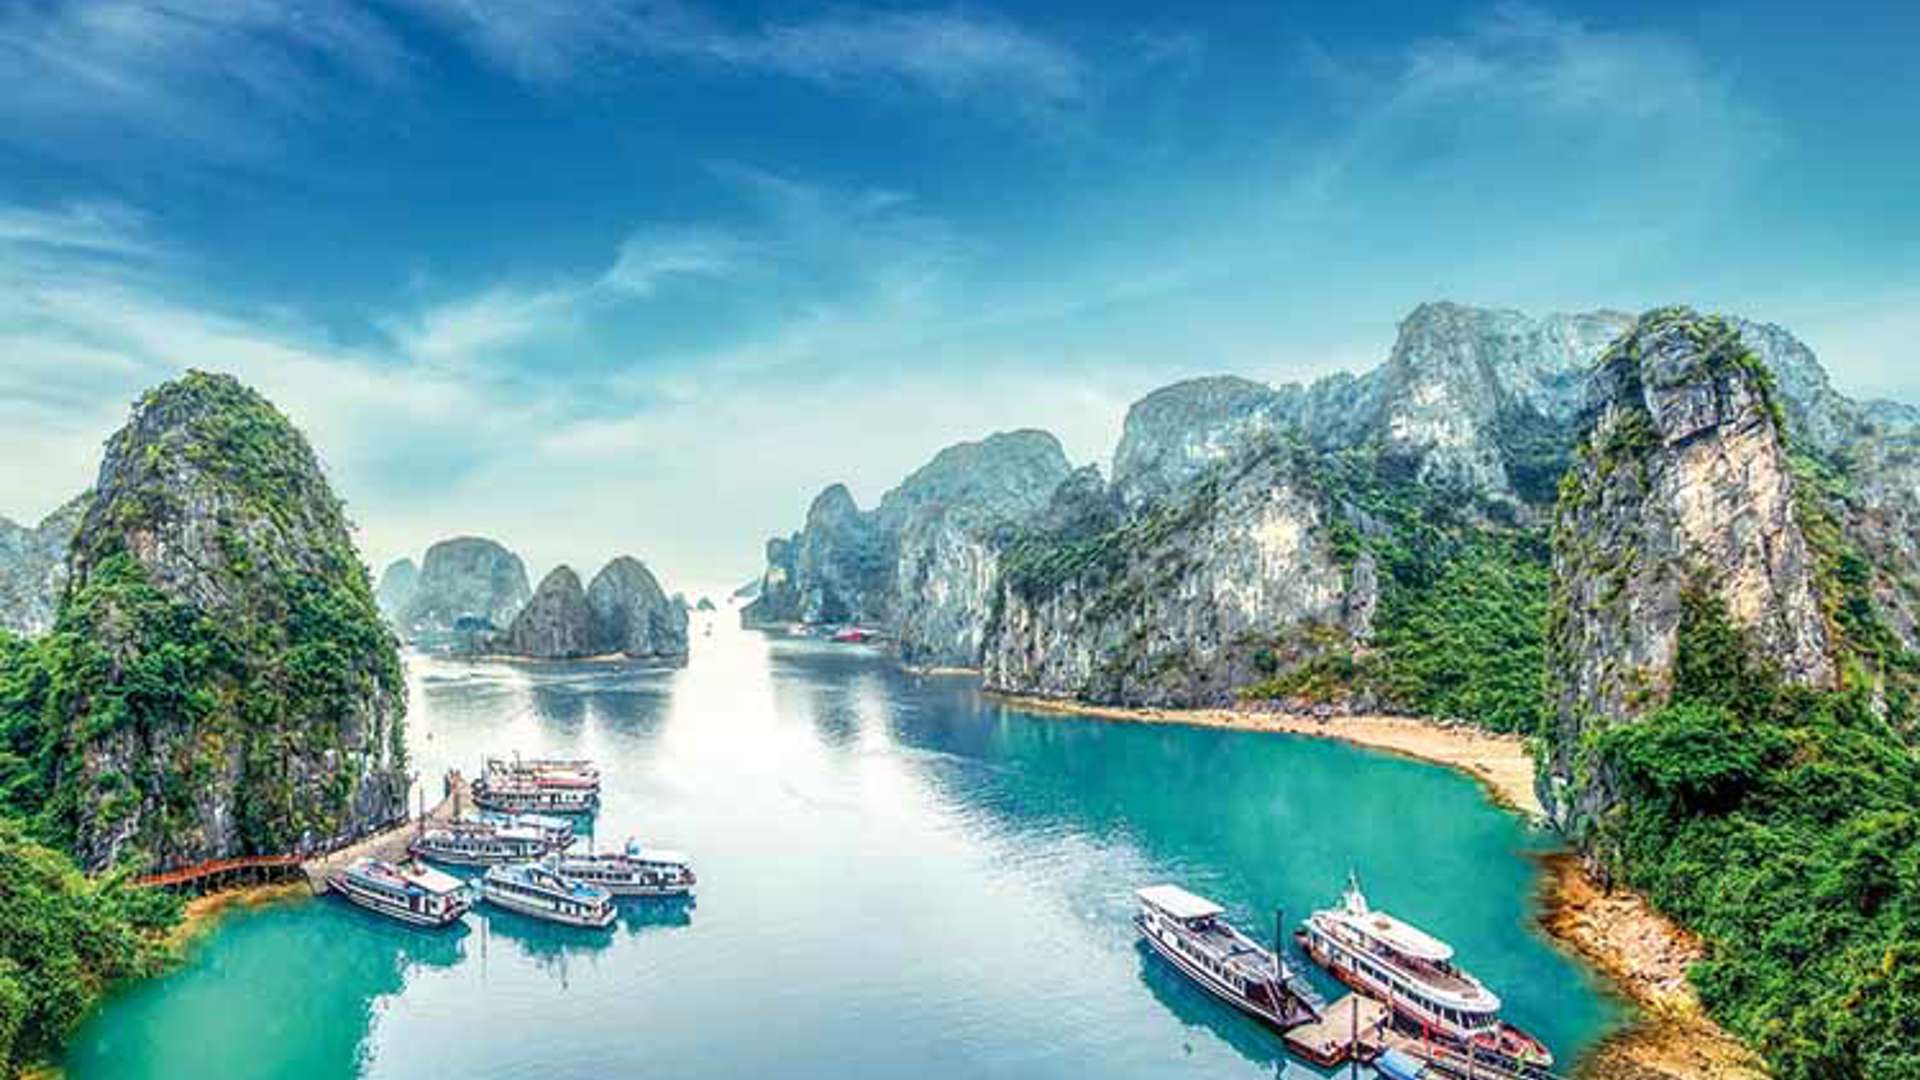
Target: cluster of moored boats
x=523, y=834
x=1453, y=1020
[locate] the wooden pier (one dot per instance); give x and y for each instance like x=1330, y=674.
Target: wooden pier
x=390, y=843
x=1348, y=1030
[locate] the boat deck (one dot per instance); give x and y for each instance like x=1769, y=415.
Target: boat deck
x=1349, y=1029
x=1447, y=1061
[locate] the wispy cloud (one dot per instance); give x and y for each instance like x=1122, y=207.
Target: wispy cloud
x=456, y=332
x=949, y=54
x=220, y=74
x=93, y=228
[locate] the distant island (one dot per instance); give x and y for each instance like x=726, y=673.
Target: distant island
x=469, y=594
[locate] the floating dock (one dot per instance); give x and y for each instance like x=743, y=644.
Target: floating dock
x=1348, y=1030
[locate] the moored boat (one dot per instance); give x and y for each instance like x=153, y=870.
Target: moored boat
x=538, y=890
x=505, y=793
x=1415, y=974
x=479, y=843
x=558, y=831
x=1189, y=932
x=409, y=892
x=635, y=870
x=548, y=772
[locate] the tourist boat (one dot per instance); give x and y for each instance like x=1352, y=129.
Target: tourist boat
x=633, y=871
x=537, y=890
x=479, y=843
x=503, y=793
x=1414, y=973
x=547, y=772
x=558, y=831
x=1188, y=931
x=409, y=892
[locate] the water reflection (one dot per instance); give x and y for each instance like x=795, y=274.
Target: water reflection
x=898, y=877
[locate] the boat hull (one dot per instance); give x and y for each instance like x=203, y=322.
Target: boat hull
x=536, y=910
x=1208, y=982
x=381, y=905
x=1480, y=1052
x=467, y=858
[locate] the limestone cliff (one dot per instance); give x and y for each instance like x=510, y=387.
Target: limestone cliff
x=556, y=624
x=1475, y=399
x=467, y=577
x=633, y=615
x=1181, y=605
x=397, y=585
x=33, y=567
x=232, y=688
x=921, y=564
x=1682, y=481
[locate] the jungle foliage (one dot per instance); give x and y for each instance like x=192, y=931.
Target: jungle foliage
x=1783, y=825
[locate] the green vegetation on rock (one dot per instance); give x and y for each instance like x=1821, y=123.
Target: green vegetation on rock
x=64, y=940
x=1783, y=825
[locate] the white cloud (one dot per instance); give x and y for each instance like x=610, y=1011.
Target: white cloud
x=948, y=54
x=216, y=72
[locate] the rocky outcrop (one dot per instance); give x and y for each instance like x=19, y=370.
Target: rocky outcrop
x=556, y=624
x=397, y=585
x=633, y=615
x=1682, y=481
x=467, y=577
x=33, y=567
x=236, y=690
x=1185, y=603
x=1478, y=400
x=921, y=564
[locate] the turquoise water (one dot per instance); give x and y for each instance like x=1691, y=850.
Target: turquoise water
x=897, y=876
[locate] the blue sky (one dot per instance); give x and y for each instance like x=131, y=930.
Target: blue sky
x=614, y=276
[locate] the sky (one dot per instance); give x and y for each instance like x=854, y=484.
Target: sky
x=615, y=276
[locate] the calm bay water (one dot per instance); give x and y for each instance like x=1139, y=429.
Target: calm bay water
x=896, y=876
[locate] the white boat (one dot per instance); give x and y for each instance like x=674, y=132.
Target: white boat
x=409, y=892
x=510, y=794
x=633, y=871
x=537, y=890
x=547, y=772
x=479, y=843
x=1414, y=973
x=1189, y=932
x=557, y=830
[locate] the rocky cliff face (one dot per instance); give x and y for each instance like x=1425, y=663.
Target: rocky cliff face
x=921, y=563
x=1478, y=400
x=633, y=615
x=466, y=577
x=1681, y=482
x=234, y=689
x=1182, y=604
x=556, y=624
x=397, y=585
x=33, y=567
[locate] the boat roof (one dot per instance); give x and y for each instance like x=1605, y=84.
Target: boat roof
x=1178, y=902
x=417, y=874
x=1397, y=935
x=636, y=850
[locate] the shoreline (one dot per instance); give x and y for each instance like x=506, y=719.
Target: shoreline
x=1639, y=954
x=1644, y=957
x=1499, y=762
x=203, y=913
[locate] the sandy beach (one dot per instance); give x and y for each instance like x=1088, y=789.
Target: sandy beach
x=1500, y=762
